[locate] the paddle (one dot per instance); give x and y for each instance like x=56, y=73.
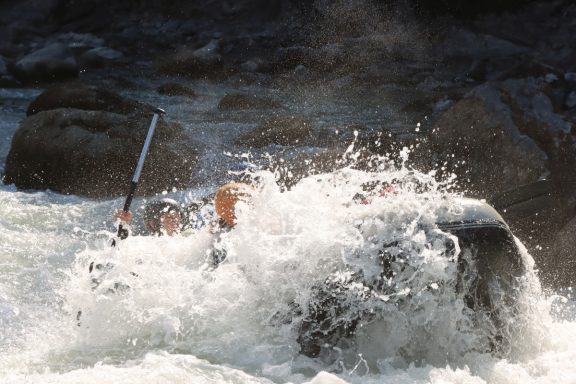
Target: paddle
x=123, y=232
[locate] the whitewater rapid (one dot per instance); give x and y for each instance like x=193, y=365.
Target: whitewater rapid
x=182, y=322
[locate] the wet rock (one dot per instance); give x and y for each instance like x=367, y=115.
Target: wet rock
x=52, y=63
x=94, y=153
x=290, y=170
x=478, y=140
x=98, y=57
x=535, y=113
x=204, y=62
x=518, y=66
x=561, y=264
x=175, y=89
x=79, y=42
x=3, y=67
x=504, y=136
x=6, y=80
x=339, y=136
x=238, y=101
x=464, y=43
x=301, y=73
x=9, y=82
x=254, y=65
x=326, y=58
x=288, y=58
x=281, y=130
x=87, y=97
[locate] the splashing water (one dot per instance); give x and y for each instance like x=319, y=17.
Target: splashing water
x=162, y=314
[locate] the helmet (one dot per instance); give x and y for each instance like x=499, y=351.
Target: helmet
x=155, y=210
x=226, y=198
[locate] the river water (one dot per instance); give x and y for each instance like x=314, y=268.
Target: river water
x=182, y=322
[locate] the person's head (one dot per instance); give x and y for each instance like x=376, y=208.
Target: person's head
x=226, y=198
x=163, y=216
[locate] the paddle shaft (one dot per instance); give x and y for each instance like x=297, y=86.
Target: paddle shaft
x=123, y=233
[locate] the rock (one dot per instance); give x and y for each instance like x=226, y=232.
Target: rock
x=509, y=67
x=324, y=59
x=3, y=67
x=283, y=130
x=504, y=136
x=9, y=82
x=478, y=140
x=6, y=80
x=534, y=112
x=562, y=258
x=461, y=42
x=570, y=101
x=94, y=153
x=237, y=101
x=98, y=57
x=175, y=89
x=288, y=58
x=301, y=73
x=254, y=65
x=204, y=62
x=87, y=97
x=79, y=42
x=289, y=171
x=52, y=63
x=339, y=136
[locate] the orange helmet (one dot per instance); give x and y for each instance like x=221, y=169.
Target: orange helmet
x=226, y=198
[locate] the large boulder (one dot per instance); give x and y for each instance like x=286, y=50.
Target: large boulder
x=194, y=63
x=477, y=139
x=86, y=97
x=280, y=130
x=504, y=137
x=94, y=153
x=98, y=57
x=562, y=257
x=54, y=62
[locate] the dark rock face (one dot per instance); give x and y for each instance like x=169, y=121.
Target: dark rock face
x=562, y=253
x=509, y=133
x=505, y=136
x=98, y=57
x=86, y=97
x=238, y=101
x=51, y=63
x=278, y=130
x=94, y=153
x=479, y=129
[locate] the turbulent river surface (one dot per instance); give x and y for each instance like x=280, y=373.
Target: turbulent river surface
x=182, y=322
